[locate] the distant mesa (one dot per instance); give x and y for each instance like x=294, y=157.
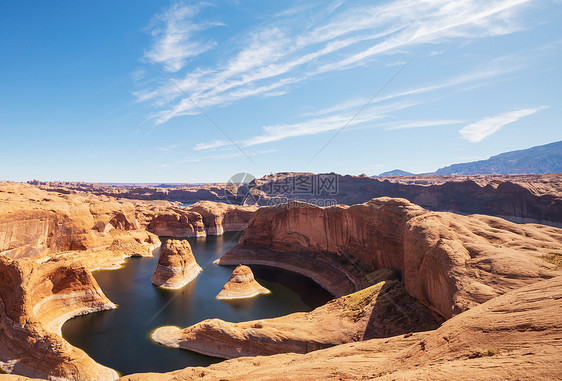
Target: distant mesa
x=241, y=285
x=176, y=265
x=395, y=172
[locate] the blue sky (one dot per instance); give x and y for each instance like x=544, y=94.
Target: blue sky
x=90, y=91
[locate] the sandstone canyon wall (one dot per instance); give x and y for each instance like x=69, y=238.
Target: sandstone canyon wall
x=447, y=261
x=35, y=300
x=520, y=198
x=49, y=244
x=198, y=220
x=484, y=272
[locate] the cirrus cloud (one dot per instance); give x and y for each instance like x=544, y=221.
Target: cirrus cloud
x=477, y=131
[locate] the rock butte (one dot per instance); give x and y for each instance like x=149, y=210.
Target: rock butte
x=176, y=265
x=241, y=284
x=490, y=278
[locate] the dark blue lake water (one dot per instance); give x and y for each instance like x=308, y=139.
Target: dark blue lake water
x=120, y=339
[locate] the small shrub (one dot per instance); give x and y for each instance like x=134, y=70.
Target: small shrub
x=491, y=351
x=554, y=258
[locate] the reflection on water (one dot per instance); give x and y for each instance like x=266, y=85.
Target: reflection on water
x=120, y=338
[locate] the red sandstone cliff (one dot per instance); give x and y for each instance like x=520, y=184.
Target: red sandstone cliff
x=49, y=243
x=35, y=300
x=520, y=198
x=39, y=224
x=198, y=220
x=448, y=262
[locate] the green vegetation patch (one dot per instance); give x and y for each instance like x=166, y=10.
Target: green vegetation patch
x=554, y=258
x=354, y=305
x=491, y=351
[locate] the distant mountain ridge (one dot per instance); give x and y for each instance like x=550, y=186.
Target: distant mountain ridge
x=535, y=160
x=395, y=172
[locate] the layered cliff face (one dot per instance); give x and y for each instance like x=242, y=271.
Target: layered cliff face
x=176, y=223
x=176, y=265
x=49, y=244
x=35, y=299
x=182, y=193
x=39, y=224
x=448, y=262
x=220, y=217
x=382, y=310
x=198, y=220
x=520, y=198
x=514, y=336
x=241, y=285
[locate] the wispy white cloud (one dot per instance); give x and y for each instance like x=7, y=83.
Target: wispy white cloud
x=276, y=56
x=471, y=79
x=335, y=117
x=477, y=131
x=138, y=74
x=211, y=145
x=173, y=34
x=421, y=123
x=312, y=126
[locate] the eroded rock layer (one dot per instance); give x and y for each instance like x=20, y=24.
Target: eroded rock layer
x=35, y=299
x=38, y=224
x=197, y=220
x=520, y=198
x=448, y=262
x=241, y=284
x=176, y=265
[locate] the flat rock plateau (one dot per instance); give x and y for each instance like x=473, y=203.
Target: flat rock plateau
x=419, y=292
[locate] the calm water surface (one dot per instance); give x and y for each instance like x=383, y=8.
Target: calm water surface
x=120, y=339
